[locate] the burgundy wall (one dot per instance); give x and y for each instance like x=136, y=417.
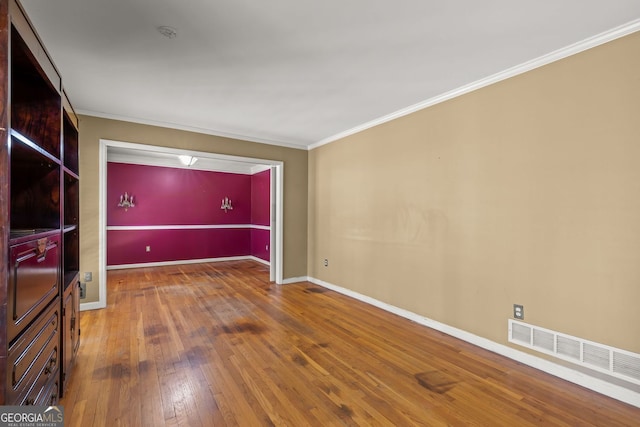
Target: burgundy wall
x=260, y=214
x=170, y=196
x=129, y=246
x=260, y=240
x=260, y=195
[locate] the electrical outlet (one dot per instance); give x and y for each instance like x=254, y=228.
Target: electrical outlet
x=326, y=262
x=518, y=311
x=88, y=276
x=83, y=290
x=148, y=249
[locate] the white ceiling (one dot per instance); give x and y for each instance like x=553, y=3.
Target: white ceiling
x=156, y=156
x=297, y=72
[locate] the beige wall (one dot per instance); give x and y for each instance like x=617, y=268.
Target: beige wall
x=92, y=129
x=526, y=191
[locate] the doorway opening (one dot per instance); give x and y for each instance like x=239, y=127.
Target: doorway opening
x=127, y=152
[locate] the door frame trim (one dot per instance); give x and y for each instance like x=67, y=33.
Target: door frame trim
x=276, y=208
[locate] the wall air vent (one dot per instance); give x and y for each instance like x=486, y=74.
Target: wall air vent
x=610, y=360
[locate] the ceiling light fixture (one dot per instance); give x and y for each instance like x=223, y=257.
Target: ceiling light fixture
x=168, y=32
x=187, y=160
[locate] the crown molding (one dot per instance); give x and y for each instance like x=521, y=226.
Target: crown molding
x=286, y=144
x=589, y=43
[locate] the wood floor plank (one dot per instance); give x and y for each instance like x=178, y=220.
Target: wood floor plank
x=219, y=345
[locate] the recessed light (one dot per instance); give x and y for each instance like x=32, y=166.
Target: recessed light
x=168, y=32
x=187, y=160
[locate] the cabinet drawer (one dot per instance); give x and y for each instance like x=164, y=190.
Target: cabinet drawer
x=33, y=358
x=46, y=395
x=33, y=281
x=44, y=391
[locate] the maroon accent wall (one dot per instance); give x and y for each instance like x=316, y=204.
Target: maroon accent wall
x=129, y=246
x=260, y=198
x=169, y=196
x=260, y=214
x=260, y=241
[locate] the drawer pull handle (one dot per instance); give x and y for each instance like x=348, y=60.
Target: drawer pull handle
x=41, y=251
x=51, y=366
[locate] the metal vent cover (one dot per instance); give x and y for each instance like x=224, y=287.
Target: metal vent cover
x=603, y=358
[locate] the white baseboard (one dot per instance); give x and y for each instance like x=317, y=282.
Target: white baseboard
x=178, y=262
x=260, y=260
x=292, y=280
x=91, y=306
x=600, y=386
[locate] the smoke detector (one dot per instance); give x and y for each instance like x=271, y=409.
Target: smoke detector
x=168, y=32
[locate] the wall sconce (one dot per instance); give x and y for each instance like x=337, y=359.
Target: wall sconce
x=226, y=204
x=126, y=201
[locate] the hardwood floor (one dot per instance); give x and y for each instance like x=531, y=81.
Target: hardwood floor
x=218, y=345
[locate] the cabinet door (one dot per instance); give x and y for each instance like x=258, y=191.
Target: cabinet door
x=33, y=281
x=70, y=331
x=67, y=344
x=75, y=320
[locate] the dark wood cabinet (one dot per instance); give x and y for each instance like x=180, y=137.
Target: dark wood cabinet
x=34, y=357
x=34, y=278
x=39, y=218
x=70, y=329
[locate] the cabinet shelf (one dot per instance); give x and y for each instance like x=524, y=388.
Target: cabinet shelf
x=70, y=254
x=71, y=193
x=35, y=188
x=69, y=228
x=70, y=173
x=70, y=139
x=35, y=102
x=22, y=235
x=19, y=137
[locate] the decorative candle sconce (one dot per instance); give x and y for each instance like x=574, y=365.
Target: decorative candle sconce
x=226, y=204
x=126, y=201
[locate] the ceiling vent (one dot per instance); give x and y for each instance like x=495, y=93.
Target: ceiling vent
x=610, y=360
x=168, y=32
